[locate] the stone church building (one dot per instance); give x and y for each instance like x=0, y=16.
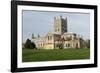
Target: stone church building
x=60, y=38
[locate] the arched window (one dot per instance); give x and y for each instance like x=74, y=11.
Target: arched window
x=58, y=29
x=48, y=37
x=76, y=45
x=68, y=45
x=41, y=44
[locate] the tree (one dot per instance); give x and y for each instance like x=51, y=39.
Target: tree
x=33, y=45
x=29, y=44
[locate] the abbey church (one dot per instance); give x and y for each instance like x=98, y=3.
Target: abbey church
x=59, y=38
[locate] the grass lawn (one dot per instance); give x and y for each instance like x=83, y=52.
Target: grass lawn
x=29, y=55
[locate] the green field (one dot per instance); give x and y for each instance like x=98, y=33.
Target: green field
x=29, y=55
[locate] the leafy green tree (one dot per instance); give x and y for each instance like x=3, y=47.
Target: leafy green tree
x=29, y=44
x=33, y=45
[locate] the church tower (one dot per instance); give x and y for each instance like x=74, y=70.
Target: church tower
x=60, y=25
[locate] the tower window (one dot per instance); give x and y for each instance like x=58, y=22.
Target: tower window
x=58, y=29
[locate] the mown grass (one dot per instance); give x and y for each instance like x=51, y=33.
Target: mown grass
x=29, y=55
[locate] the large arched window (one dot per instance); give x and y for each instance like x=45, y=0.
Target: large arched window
x=58, y=29
x=76, y=45
x=48, y=37
x=68, y=45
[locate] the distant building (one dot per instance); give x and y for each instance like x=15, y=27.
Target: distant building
x=59, y=38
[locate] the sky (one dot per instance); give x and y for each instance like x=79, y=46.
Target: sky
x=41, y=22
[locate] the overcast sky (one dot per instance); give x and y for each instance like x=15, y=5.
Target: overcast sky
x=40, y=22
